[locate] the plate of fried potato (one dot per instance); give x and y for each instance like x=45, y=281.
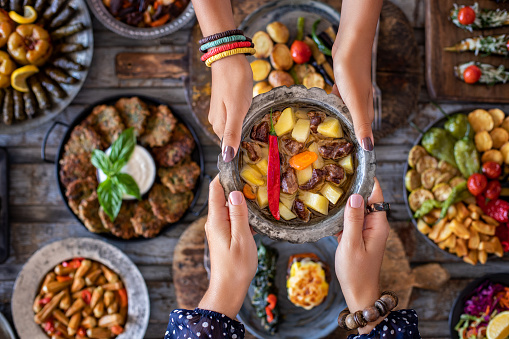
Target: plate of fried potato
x=458, y=188
x=80, y=287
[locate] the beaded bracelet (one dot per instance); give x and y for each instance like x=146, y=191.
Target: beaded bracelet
x=220, y=35
x=224, y=48
x=350, y=321
x=224, y=54
x=224, y=40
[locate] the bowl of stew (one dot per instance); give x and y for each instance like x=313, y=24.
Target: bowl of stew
x=320, y=164
x=143, y=19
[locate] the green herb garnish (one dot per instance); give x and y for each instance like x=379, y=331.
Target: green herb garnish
x=111, y=190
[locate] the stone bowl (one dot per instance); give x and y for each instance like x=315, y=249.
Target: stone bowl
x=296, y=231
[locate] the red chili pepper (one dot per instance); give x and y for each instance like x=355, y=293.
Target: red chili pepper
x=86, y=295
x=272, y=300
x=44, y=301
x=161, y=21
x=273, y=174
x=270, y=316
x=498, y=210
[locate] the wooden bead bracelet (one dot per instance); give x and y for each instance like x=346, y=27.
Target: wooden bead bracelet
x=220, y=35
x=224, y=48
x=225, y=40
x=350, y=321
x=224, y=54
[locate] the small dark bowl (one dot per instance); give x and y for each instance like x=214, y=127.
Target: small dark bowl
x=459, y=303
x=107, y=19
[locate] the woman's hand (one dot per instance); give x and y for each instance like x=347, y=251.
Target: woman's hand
x=232, y=92
x=360, y=253
x=233, y=253
x=351, y=55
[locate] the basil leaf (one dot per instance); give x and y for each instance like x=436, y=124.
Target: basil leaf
x=101, y=161
x=123, y=147
x=117, y=166
x=127, y=184
x=110, y=198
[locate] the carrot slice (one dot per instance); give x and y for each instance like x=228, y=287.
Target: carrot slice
x=302, y=160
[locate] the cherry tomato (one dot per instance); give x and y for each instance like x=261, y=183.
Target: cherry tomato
x=86, y=296
x=466, y=15
x=481, y=202
x=498, y=210
x=472, y=74
x=301, y=53
x=477, y=183
x=270, y=315
x=493, y=190
x=492, y=170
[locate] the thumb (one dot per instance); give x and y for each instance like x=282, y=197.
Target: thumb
x=239, y=216
x=362, y=126
x=231, y=136
x=354, y=220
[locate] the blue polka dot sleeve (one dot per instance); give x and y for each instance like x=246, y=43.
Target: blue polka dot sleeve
x=398, y=325
x=199, y=324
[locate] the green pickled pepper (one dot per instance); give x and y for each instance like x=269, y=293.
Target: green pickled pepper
x=457, y=125
x=440, y=143
x=466, y=155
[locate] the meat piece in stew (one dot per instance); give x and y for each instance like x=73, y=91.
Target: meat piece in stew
x=290, y=146
x=317, y=178
x=301, y=210
x=316, y=118
x=289, y=181
x=254, y=152
x=334, y=149
x=334, y=173
x=260, y=132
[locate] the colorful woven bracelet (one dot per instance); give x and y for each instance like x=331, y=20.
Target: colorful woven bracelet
x=224, y=48
x=224, y=40
x=229, y=53
x=220, y=35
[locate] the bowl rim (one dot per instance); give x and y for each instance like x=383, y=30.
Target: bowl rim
x=139, y=33
x=47, y=257
x=362, y=182
x=461, y=298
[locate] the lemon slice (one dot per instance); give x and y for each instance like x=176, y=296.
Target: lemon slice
x=498, y=328
x=29, y=16
x=19, y=77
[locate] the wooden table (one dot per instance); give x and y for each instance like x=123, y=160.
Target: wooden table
x=38, y=215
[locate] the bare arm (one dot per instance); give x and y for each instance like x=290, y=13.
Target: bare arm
x=352, y=62
x=214, y=16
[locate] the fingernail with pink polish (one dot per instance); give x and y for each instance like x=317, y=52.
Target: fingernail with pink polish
x=236, y=198
x=355, y=201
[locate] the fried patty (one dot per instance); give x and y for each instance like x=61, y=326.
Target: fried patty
x=83, y=139
x=79, y=190
x=134, y=113
x=89, y=214
x=160, y=126
x=180, y=178
x=144, y=221
x=180, y=146
x=74, y=167
x=122, y=226
x=106, y=120
x=167, y=206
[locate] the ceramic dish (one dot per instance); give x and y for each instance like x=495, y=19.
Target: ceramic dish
x=42, y=261
x=104, y=16
x=459, y=303
x=196, y=155
x=84, y=58
x=295, y=321
x=361, y=182
x=5, y=329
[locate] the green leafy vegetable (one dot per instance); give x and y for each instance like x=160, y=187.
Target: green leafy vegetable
x=111, y=191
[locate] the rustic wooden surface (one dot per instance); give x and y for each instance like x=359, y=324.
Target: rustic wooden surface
x=440, y=33
x=38, y=215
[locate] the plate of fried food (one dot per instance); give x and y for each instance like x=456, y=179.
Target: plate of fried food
x=80, y=287
x=457, y=184
x=281, y=301
x=129, y=167
x=293, y=41
x=45, y=52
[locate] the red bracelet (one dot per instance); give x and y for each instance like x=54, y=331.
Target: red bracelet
x=227, y=47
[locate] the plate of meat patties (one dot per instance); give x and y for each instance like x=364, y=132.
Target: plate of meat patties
x=166, y=164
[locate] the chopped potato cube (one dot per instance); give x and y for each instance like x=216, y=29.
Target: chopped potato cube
x=287, y=199
x=285, y=212
x=331, y=192
x=252, y=176
x=300, y=114
x=331, y=128
x=347, y=163
x=262, y=166
x=262, y=197
x=304, y=175
x=301, y=130
x=319, y=163
x=286, y=122
x=316, y=202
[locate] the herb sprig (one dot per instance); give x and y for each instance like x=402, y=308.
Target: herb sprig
x=111, y=190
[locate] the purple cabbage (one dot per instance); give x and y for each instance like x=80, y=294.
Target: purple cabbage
x=483, y=296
